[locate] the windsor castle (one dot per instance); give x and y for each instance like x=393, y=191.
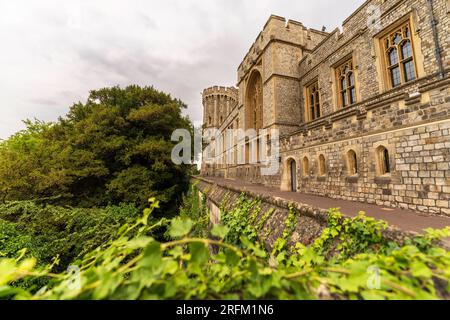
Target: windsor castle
x=363, y=111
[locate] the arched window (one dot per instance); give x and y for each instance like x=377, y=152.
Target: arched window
x=254, y=102
x=343, y=92
x=305, y=166
x=400, y=55
x=383, y=162
x=408, y=63
x=254, y=107
x=394, y=68
x=351, y=88
x=313, y=101
x=346, y=84
x=322, y=165
x=352, y=163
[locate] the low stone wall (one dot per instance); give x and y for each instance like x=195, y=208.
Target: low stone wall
x=311, y=221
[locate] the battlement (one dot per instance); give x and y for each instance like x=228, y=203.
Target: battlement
x=277, y=22
x=231, y=92
x=279, y=29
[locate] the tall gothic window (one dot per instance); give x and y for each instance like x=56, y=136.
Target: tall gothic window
x=399, y=56
x=254, y=103
x=313, y=101
x=254, y=110
x=346, y=84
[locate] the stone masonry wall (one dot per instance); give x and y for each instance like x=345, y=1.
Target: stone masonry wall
x=359, y=41
x=310, y=221
x=411, y=121
x=419, y=159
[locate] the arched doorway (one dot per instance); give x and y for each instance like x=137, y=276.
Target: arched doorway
x=293, y=175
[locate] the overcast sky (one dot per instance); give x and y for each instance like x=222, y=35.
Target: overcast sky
x=53, y=52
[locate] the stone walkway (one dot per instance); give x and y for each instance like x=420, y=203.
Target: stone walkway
x=406, y=220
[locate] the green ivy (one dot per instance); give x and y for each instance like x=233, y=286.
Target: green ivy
x=134, y=265
x=240, y=218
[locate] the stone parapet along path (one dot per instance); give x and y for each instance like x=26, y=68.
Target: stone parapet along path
x=406, y=220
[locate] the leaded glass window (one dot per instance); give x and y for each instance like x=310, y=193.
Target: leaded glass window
x=400, y=56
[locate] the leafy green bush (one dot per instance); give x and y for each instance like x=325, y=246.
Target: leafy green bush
x=50, y=232
x=11, y=239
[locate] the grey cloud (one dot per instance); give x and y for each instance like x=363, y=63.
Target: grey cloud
x=59, y=52
x=44, y=101
x=122, y=65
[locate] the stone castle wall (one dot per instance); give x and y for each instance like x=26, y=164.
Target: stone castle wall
x=411, y=121
x=310, y=221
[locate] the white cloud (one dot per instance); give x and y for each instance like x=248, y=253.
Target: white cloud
x=54, y=52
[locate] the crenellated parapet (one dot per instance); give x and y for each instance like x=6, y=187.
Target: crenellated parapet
x=230, y=92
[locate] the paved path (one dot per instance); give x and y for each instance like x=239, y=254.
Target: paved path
x=407, y=220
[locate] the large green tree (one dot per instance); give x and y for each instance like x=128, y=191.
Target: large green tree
x=113, y=148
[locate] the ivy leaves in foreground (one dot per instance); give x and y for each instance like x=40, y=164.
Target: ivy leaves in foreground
x=136, y=266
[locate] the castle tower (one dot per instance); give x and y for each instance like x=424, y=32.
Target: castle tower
x=218, y=102
x=268, y=77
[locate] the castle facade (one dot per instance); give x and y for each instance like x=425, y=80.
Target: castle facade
x=363, y=112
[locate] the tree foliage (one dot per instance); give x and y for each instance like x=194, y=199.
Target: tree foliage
x=114, y=148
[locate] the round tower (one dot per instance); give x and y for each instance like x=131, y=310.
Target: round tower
x=217, y=105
